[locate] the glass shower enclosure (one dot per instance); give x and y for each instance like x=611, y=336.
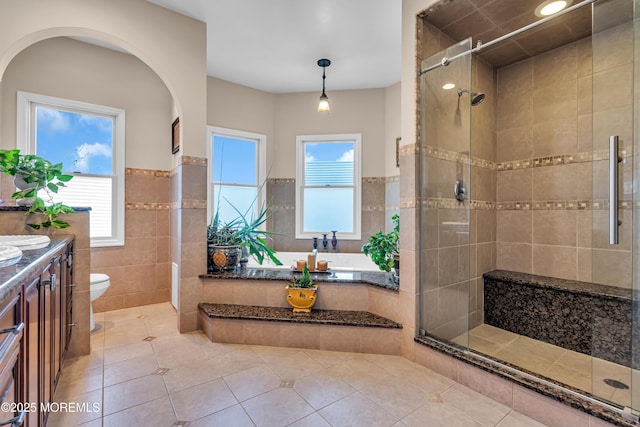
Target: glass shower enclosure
x=532, y=168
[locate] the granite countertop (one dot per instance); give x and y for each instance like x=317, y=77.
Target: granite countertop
x=375, y=278
x=14, y=275
x=286, y=314
x=574, y=286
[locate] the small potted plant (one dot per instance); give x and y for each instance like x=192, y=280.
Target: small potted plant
x=302, y=292
x=34, y=175
x=384, y=249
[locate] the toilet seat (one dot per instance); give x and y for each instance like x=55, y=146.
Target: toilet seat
x=98, y=278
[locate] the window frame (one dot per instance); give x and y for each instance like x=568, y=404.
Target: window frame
x=356, y=138
x=26, y=143
x=261, y=162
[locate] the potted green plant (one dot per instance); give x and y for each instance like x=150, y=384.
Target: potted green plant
x=301, y=293
x=32, y=176
x=240, y=238
x=223, y=241
x=384, y=249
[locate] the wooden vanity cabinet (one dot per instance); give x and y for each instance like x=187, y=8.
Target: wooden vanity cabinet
x=11, y=374
x=31, y=359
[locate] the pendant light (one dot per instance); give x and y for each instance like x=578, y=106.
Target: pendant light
x=323, y=105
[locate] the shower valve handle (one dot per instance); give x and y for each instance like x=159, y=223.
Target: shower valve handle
x=459, y=191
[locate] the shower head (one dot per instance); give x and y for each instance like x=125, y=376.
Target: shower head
x=476, y=97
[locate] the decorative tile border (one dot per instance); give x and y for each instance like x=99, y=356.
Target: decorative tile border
x=565, y=159
x=457, y=157
x=281, y=180
x=409, y=149
x=561, y=205
x=192, y=161
x=374, y=180
x=147, y=172
x=365, y=180
x=141, y=206
x=546, y=205
x=365, y=208
x=189, y=204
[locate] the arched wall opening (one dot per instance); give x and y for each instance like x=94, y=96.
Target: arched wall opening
x=178, y=58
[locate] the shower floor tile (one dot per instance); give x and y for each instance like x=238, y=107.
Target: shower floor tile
x=565, y=366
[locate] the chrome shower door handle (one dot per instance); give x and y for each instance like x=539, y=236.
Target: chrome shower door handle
x=614, y=160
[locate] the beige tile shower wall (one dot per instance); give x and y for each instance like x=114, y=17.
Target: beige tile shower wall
x=547, y=120
x=458, y=241
x=140, y=270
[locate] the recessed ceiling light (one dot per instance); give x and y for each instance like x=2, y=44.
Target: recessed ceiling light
x=448, y=86
x=549, y=7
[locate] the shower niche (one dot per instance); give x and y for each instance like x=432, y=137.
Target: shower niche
x=525, y=121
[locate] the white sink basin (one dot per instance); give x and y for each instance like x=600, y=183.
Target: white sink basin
x=9, y=255
x=25, y=242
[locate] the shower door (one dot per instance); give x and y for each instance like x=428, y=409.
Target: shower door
x=610, y=256
x=443, y=202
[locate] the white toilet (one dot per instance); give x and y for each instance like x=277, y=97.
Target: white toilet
x=99, y=285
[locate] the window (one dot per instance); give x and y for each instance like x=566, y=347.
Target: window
x=236, y=172
x=328, y=185
x=89, y=141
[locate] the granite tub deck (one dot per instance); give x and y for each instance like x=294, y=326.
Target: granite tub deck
x=354, y=311
x=589, y=318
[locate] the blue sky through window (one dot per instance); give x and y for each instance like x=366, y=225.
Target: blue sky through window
x=234, y=160
x=82, y=143
x=328, y=152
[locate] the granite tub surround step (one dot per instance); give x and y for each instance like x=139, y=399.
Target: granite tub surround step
x=353, y=331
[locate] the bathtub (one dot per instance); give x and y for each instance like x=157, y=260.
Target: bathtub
x=337, y=261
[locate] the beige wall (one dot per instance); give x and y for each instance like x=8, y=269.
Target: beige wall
x=238, y=107
x=392, y=115
x=177, y=56
x=352, y=111
x=373, y=112
x=70, y=69
x=66, y=68
x=135, y=25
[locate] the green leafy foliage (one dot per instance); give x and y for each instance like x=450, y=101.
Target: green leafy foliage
x=304, y=281
x=245, y=230
x=38, y=174
x=381, y=247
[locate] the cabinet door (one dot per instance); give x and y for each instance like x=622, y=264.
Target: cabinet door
x=69, y=286
x=11, y=335
x=55, y=288
x=46, y=332
x=31, y=349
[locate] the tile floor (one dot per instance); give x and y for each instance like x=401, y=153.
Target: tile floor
x=569, y=367
x=186, y=380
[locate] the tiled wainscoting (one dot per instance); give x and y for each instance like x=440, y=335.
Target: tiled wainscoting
x=140, y=270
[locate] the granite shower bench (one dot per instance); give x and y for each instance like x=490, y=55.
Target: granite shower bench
x=589, y=318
